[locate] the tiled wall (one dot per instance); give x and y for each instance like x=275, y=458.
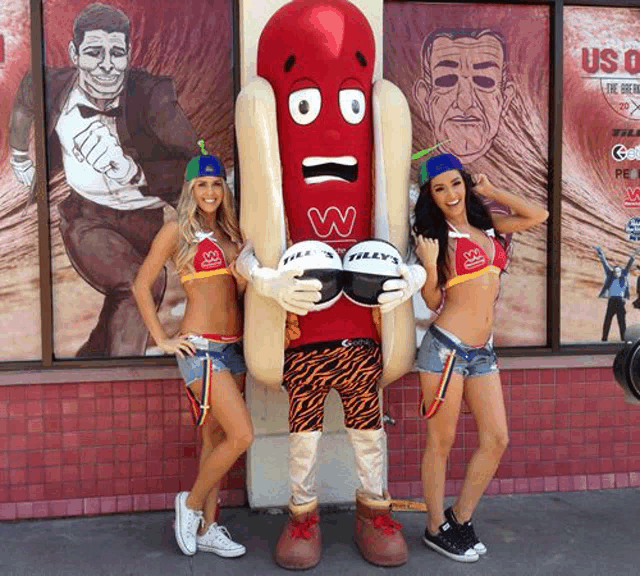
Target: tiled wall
x=91, y=448
x=570, y=429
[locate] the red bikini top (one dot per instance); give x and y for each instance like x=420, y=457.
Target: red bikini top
x=471, y=260
x=209, y=259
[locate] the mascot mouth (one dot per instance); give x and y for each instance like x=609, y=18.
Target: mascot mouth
x=316, y=169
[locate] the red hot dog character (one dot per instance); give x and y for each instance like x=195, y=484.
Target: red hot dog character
x=308, y=129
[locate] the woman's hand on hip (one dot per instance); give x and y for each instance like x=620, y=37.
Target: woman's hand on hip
x=178, y=345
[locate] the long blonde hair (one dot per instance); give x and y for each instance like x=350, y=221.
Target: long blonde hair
x=190, y=221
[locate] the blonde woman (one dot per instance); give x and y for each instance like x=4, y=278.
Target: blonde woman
x=203, y=243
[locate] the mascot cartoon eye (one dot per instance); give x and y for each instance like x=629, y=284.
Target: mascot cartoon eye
x=352, y=105
x=304, y=105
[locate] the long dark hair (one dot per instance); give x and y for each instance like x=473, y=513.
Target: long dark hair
x=431, y=223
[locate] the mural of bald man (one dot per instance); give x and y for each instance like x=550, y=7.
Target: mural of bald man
x=464, y=92
x=503, y=133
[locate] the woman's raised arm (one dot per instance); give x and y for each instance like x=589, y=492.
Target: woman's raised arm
x=526, y=214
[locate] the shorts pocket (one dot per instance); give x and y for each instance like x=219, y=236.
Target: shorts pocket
x=190, y=368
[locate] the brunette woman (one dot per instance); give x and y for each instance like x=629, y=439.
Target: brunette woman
x=460, y=245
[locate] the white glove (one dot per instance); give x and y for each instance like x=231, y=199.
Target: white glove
x=23, y=168
x=397, y=291
x=297, y=296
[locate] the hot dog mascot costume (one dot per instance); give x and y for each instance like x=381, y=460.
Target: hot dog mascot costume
x=325, y=155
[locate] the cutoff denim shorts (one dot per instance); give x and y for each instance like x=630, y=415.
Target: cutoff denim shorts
x=433, y=355
x=224, y=356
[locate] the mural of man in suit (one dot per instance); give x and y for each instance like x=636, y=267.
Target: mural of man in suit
x=122, y=141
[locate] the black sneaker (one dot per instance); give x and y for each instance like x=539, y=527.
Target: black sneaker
x=467, y=531
x=449, y=541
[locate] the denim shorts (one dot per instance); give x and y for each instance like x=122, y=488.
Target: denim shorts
x=223, y=355
x=433, y=355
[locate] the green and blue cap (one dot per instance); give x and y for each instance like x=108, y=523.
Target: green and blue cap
x=436, y=165
x=204, y=165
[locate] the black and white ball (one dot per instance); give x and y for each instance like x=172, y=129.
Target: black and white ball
x=319, y=261
x=366, y=267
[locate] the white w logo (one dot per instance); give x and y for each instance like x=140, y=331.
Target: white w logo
x=331, y=221
x=473, y=258
x=211, y=259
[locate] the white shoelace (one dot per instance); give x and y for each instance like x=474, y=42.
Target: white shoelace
x=224, y=531
x=195, y=517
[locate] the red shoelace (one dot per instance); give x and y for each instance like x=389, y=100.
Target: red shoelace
x=303, y=529
x=387, y=524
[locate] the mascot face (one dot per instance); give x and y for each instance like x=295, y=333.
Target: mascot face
x=318, y=57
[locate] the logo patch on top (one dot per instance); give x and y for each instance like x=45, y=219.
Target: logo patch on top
x=211, y=259
x=209, y=256
x=473, y=258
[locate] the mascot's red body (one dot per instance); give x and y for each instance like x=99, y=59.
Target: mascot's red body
x=319, y=57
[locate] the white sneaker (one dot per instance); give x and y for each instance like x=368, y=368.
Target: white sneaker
x=218, y=540
x=186, y=524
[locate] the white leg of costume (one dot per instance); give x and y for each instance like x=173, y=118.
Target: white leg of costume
x=303, y=457
x=369, y=446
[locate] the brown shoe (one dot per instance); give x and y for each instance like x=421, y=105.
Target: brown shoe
x=378, y=536
x=300, y=544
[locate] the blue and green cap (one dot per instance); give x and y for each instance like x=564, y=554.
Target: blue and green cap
x=437, y=165
x=204, y=165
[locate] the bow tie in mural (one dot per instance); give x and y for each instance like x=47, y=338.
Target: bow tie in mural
x=88, y=112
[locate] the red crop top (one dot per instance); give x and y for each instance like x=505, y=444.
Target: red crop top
x=471, y=260
x=209, y=259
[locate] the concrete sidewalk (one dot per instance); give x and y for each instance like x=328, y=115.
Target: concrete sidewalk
x=587, y=533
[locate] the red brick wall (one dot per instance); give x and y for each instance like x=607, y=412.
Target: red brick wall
x=91, y=448
x=570, y=429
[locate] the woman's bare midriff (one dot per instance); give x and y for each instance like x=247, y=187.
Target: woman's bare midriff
x=212, y=307
x=469, y=309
